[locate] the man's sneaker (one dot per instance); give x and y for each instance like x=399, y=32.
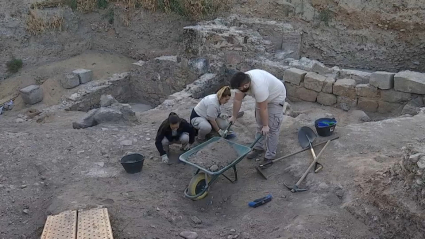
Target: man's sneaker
x=254, y=153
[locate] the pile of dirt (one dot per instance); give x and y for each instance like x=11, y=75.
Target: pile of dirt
x=393, y=201
x=215, y=156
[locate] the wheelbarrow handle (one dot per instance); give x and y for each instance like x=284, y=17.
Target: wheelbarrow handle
x=255, y=141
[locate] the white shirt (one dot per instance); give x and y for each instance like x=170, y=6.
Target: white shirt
x=208, y=107
x=265, y=86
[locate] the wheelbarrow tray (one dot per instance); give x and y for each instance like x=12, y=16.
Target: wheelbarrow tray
x=241, y=151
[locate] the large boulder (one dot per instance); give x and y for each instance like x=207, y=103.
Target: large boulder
x=410, y=81
x=111, y=115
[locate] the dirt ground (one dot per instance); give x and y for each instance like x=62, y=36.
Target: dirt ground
x=48, y=168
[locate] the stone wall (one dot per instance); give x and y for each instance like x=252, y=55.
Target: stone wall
x=153, y=81
x=382, y=92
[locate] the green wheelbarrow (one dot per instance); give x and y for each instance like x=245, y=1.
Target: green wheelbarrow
x=204, y=178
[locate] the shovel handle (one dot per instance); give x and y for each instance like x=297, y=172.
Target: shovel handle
x=312, y=164
x=302, y=150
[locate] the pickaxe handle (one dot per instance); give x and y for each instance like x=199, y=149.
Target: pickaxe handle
x=312, y=164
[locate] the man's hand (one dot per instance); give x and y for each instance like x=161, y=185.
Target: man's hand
x=265, y=130
x=187, y=147
x=232, y=119
x=164, y=158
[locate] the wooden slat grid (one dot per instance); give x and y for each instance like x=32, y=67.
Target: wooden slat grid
x=91, y=224
x=94, y=224
x=61, y=226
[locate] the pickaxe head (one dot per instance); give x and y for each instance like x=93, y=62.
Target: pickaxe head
x=295, y=188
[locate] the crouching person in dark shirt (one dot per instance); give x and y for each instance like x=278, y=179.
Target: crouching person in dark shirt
x=174, y=130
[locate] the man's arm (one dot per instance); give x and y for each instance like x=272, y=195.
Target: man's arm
x=237, y=103
x=264, y=115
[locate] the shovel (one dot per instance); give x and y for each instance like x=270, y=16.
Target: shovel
x=266, y=165
x=306, y=136
x=296, y=188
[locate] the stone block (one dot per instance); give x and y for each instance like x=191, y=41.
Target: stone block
x=294, y=76
x=361, y=77
x=108, y=115
x=410, y=81
x=387, y=107
x=291, y=90
x=326, y=99
x=395, y=96
x=346, y=103
x=345, y=87
x=70, y=80
x=368, y=105
x=366, y=90
x=32, y=94
x=328, y=85
x=306, y=95
x=314, y=81
x=382, y=80
x=84, y=75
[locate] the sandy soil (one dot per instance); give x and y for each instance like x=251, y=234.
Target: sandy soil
x=77, y=169
x=214, y=156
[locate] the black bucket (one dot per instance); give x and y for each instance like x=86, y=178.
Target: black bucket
x=133, y=163
x=323, y=129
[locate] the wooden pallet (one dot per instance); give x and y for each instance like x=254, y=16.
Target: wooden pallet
x=90, y=224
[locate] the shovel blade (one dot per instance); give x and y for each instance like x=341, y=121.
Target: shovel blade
x=306, y=136
x=259, y=171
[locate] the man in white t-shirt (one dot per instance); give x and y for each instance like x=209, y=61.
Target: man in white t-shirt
x=269, y=94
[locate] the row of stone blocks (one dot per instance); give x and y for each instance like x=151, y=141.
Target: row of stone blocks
x=384, y=93
x=33, y=94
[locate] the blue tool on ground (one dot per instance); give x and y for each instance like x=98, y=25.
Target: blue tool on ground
x=260, y=201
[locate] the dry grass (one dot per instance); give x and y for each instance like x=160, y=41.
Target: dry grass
x=38, y=23
x=191, y=9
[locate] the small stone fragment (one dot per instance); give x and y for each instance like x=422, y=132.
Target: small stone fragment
x=196, y=220
x=189, y=235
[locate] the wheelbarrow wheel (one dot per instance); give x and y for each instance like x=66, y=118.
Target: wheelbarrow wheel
x=197, y=184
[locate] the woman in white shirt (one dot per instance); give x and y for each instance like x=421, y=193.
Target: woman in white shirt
x=207, y=116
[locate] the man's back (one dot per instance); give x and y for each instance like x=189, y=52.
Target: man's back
x=265, y=86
